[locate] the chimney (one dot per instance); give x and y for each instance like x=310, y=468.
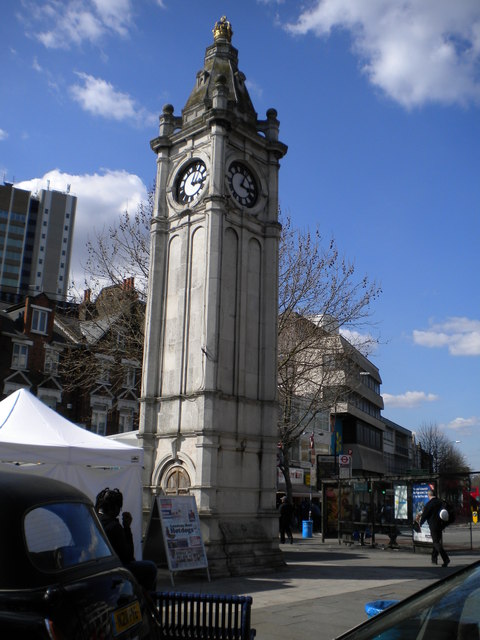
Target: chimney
x=86, y=295
x=25, y=312
x=128, y=284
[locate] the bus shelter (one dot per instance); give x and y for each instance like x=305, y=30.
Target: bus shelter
x=359, y=508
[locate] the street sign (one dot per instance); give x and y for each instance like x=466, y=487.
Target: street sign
x=345, y=465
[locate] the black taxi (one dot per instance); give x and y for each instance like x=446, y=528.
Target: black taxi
x=59, y=577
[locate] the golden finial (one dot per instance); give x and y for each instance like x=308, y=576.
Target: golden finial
x=223, y=29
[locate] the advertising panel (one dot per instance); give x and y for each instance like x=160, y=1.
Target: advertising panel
x=419, y=500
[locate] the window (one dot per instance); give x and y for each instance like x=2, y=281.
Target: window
x=177, y=482
x=129, y=379
x=369, y=436
x=388, y=435
x=39, y=320
x=99, y=420
x=125, y=422
x=51, y=361
x=19, y=356
x=63, y=535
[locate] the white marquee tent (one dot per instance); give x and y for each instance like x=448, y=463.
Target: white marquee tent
x=37, y=440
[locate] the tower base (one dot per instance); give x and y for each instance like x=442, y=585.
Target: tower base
x=244, y=549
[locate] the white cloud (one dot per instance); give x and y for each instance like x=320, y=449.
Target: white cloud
x=36, y=65
x=101, y=199
x=464, y=425
x=100, y=98
x=416, y=52
x=460, y=335
x=3, y=134
x=60, y=25
x=115, y=14
x=409, y=399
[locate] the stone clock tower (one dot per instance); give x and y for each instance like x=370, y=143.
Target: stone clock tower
x=209, y=400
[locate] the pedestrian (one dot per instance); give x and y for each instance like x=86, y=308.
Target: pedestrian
x=285, y=520
x=431, y=514
x=108, y=505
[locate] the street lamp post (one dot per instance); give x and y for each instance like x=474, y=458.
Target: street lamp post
x=312, y=462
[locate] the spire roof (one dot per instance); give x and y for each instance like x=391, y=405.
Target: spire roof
x=220, y=73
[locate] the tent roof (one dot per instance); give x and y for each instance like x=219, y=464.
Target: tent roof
x=32, y=432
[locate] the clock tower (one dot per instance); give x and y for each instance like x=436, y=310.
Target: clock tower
x=209, y=392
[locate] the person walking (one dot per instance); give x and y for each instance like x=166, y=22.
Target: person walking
x=431, y=514
x=285, y=520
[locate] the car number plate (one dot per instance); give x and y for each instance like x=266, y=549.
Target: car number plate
x=126, y=617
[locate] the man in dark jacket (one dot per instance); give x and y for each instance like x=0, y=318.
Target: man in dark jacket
x=431, y=514
x=285, y=520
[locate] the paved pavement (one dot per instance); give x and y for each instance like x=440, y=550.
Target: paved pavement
x=323, y=589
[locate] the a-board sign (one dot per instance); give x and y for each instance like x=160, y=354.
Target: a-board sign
x=181, y=533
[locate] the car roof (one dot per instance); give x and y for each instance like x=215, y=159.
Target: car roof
x=21, y=491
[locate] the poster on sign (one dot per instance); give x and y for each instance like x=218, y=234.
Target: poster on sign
x=181, y=533
x=419, y=500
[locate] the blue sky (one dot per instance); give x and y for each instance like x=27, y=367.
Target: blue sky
x=379, y=104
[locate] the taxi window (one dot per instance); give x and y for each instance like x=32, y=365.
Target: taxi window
x=63, y=535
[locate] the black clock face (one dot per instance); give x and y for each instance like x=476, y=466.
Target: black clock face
x=191, y=182
x=242, y=184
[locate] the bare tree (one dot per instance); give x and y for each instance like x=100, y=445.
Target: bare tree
x=444, y=455
x=319, y=294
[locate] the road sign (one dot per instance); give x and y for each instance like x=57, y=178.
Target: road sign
x=344, y=460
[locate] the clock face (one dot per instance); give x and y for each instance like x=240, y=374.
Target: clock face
x=191, y=182
x=242, y=184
